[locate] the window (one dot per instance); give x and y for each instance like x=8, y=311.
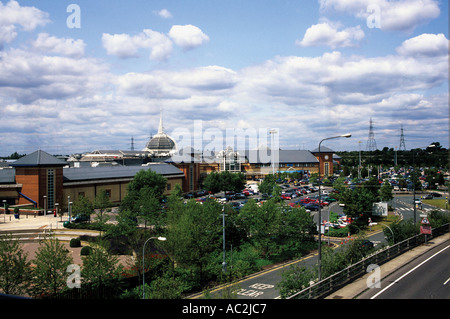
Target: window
x=169, y=186
x=327, y=168
x=50, y=189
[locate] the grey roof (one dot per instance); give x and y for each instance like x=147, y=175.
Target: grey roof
x=7, y=176
x=323, y=149
x=114, y=172
x=284, y=156
x=38, y=158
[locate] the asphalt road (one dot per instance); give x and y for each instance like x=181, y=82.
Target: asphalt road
x=263, y=284
x=427, y=277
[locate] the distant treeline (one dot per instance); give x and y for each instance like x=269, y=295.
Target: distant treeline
x=436, y=156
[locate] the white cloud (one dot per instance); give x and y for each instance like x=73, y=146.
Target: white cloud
x=67, y=47
x=395, y=15
x=165, y=14
x=188, y=36
x=325, y=34
x=425, y=45
x=12, y=15
x=126, y=46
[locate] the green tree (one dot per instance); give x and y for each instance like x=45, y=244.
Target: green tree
x=101, y=203
x=295, y=279
x=15, y=269
x=213, y=182
x=154, y=183
x=150, y=207
x=100, y=268
x=194, y=234
x=49, y=276
x=267, y=185
x=385, y=192
x=82, y=206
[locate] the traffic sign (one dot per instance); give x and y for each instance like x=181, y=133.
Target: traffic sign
x=425, y=221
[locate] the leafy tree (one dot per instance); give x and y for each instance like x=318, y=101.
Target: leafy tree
x=295, y=279
x=154, y=183
x=82, y=206
x=150, y=207
x=267, y=184
x=101, y=202
x=385, y=192
x=49, y=276
x=15, y=270
x=194, y=234
x=213, y=182
x=100, y=268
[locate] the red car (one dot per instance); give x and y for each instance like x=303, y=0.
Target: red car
x=285, y=196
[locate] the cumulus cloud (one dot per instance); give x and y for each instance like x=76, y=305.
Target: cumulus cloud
x=165, y=14
x=395, y=15
x=188, y=36
x=63, y=46
x=13, y=15
x=126, y=46
x=28, y=76
x=425, y=45
x=325, y=34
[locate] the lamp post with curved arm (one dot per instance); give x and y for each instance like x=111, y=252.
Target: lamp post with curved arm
x=320, y=206
x=143, y=262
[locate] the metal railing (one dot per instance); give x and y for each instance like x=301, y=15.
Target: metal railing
x=343, y=277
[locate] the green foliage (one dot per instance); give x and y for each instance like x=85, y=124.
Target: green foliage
x=86, y=250
x=50, y=272
x=296, y=278
x=82, y=206
x=75, y=242
x=224, y=181
x=15, y=269
x=400, y=230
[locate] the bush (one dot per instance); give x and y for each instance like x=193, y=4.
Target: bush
x=86, y=250
x=75, y=242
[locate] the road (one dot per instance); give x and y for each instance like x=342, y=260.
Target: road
x=427, y=277
x=263, y=285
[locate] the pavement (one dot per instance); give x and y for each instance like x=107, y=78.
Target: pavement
x=37, y=224
x=9, y=223
x=358, y=286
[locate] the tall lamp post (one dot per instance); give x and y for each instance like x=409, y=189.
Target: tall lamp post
x=320, y=206
x=414, y=180
x=143, y=262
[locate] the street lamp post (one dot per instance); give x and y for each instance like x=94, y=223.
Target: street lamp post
x=143, y=262
x=414, y=180
x=272, y=132
x=320, y=206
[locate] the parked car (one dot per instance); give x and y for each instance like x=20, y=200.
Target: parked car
x=312, y=206
x=81, y=218
x=286, y=196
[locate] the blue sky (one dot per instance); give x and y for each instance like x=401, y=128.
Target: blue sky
x=311, y=69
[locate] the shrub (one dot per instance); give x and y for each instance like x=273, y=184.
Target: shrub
x=75, y=242
x=86, y=250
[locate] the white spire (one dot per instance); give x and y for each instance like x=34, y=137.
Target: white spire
x=160, y=128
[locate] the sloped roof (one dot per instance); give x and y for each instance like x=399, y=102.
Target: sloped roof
x=113, y=172
x=38, y=158
x=323, y=149
x=284, y=156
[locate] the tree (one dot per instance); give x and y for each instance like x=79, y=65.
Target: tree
x=100, y=268
x=267, y=184
x=295, y=279
x=155, y=184
x=386, y=192
x=15, y=270
x=82, y=206
x=150, y=207
x=101, y=202
x=194, y=234
x=49, y=276
x=212, y=182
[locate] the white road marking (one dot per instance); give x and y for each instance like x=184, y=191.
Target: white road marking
x=397, y=280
